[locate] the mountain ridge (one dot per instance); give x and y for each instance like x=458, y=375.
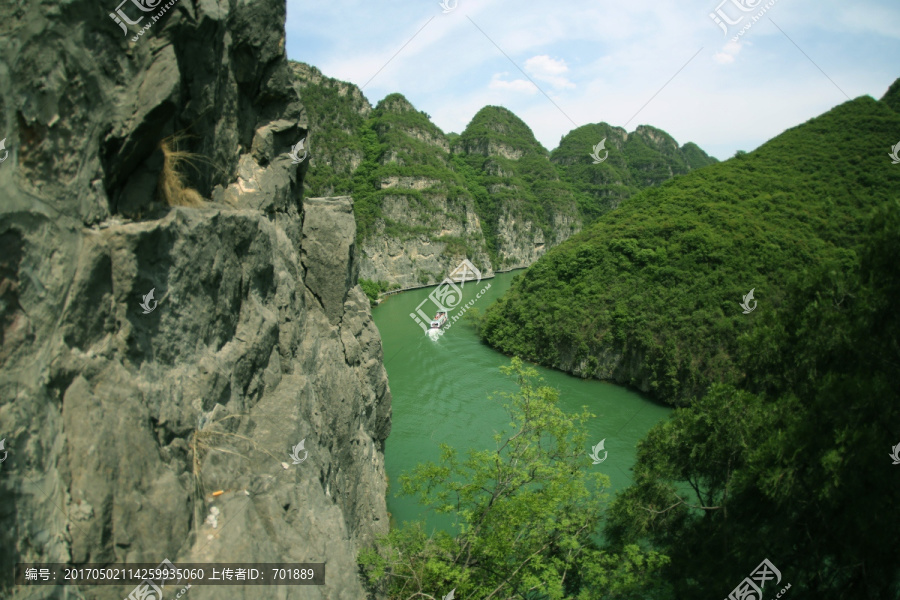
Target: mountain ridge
x=425, y=199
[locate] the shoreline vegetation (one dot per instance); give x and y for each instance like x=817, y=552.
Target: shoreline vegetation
x=378, y=291
x=779, y=445
x=526, y=512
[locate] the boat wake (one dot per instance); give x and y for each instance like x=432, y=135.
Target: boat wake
x=436, y=330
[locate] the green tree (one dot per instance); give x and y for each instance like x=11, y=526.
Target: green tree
x=792, y=463
x=527, y=512
x=370, y=289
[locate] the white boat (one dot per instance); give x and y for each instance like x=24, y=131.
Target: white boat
x=437, y=323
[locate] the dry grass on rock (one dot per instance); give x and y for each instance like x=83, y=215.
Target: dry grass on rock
x=172, y=187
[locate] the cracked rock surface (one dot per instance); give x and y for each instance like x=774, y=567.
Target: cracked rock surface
x=128, y=428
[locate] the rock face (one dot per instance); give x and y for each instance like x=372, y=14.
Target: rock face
x=123, y=413
x=421, y=208
x=411, y=259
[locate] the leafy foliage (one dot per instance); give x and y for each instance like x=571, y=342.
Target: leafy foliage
x=365, y=184
x=892, y=96
x=512, y=178
x=792, y=464
x=527, y=512
x=631, y=162
x=335, y=114
x=657, y=282
x=373, y=289
x=498, y=126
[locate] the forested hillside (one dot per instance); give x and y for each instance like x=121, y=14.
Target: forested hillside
x=519, y=192
x=782, y=450
x=650, y=294
x=794, y=463
x=644, y=158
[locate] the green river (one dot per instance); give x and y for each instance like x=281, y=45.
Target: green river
x=440, y=395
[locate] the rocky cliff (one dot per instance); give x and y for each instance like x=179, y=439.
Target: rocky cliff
x=418, y=217
x=524, y=205
x=421, y=208
x=125, y=414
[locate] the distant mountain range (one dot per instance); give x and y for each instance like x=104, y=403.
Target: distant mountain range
x=424, y=199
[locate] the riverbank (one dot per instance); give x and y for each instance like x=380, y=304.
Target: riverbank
x=387, y=293
x=443, y=392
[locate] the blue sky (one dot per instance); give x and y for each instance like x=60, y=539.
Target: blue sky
x=664, y=63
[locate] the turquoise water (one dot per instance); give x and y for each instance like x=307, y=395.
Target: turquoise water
x=441, y=392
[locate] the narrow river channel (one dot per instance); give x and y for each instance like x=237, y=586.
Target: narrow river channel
x=441, y=392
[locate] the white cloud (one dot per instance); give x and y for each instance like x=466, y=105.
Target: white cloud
x=729, y=51
x=723, y=58
x=516, y=85
x=544, y=68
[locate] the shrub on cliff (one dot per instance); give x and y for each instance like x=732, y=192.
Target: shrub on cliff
x=374, y=289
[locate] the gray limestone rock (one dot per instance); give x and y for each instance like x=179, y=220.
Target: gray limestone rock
x=329, y=231
x=122, y=413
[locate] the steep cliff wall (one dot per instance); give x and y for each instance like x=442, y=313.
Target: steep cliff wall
x=120, y=421
x=418, y=217
x=525, y=208
x=421, y=207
